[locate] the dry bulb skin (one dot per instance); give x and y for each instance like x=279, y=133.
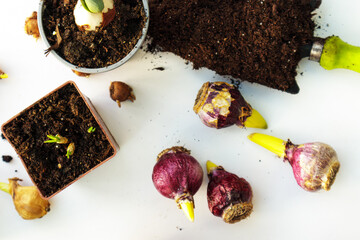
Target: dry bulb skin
x=31, y=26
x=314, y=165
x=120, y=92
x=229, y=196
x=220, y=104
x=177, y=175
x=81, y=74
x=27, y=200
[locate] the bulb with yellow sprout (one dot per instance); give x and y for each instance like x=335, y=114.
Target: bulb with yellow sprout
x=220, y=104
x=314, y=165
x=27, y=200
x=177, y=175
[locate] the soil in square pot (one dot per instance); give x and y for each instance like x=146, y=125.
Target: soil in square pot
x=105, y=48
x=66, y=112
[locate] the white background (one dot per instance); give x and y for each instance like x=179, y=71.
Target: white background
x=118, y=200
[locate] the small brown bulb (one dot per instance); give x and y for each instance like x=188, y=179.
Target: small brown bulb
x=120, y=92
x=31, y=26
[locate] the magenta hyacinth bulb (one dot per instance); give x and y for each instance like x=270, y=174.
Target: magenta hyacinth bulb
x=178, y=176
x=177, y=172
x=219, y=105
x=315, y=165
x=229, y=196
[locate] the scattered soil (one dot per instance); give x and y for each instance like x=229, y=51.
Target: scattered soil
x=65, y=113
x=94, y=49
x=159, y=68
x=7, y=158
x=253, y=40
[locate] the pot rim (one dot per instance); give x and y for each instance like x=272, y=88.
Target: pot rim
x=98, y=119
x=95, y=70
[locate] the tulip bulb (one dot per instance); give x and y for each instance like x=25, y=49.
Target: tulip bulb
x=314, y=165
x=27, y=200
x=220, y=104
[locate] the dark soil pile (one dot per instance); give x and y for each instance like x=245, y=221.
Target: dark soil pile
x=94, y=49
x=253, y=40
x=64, y=113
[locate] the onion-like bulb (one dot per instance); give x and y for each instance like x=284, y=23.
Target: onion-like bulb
x=220, y=104
x=229, y=196
x=27, y=200
x=177, y=175
x=315, y=165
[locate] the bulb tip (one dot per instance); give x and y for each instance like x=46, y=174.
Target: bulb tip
x=210, y=166
x=255, y=120
x=273, y=144
x=250, y=137
x=188, y=208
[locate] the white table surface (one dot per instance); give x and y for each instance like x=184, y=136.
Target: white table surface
x=118, y=199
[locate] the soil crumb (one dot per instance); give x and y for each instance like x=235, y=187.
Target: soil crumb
x=7, y=158
x=159, y=68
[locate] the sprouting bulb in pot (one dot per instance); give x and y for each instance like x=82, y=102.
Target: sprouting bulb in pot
x=92, y=14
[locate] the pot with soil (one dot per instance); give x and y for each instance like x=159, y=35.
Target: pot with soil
x=92, y=36
x=59, y=139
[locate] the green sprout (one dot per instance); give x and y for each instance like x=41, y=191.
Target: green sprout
x=93, y=6
x=70, y=150
x=56, y=139
x=91, y=130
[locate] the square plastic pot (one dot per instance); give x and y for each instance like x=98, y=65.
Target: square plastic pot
x=31, y=146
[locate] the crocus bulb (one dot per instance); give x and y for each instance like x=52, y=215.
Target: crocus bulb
x=27, y=200
x=229, y=196
x=92, y=14
x=315, y=165
x=220, y=104
x=177, y=175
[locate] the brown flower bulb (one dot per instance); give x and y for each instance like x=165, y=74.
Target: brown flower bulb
x=27, y=200
x=120, y=91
